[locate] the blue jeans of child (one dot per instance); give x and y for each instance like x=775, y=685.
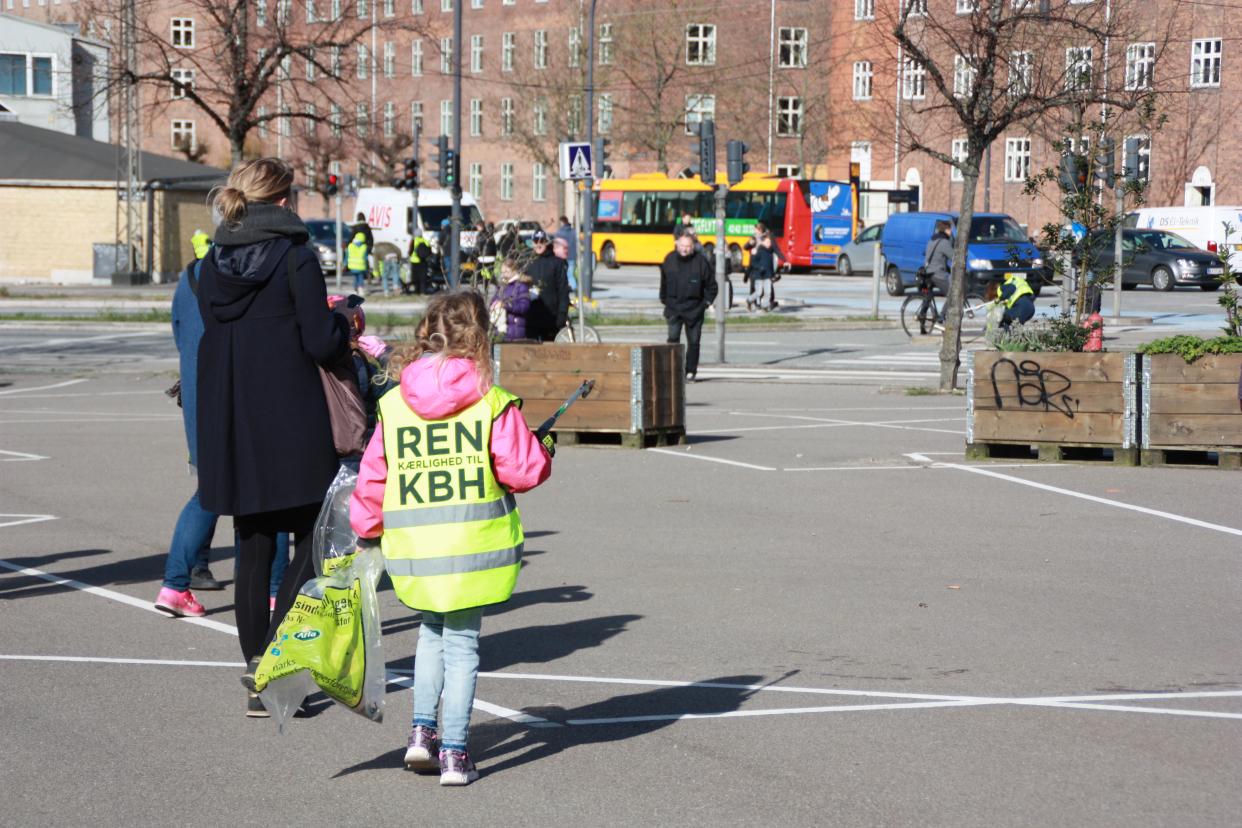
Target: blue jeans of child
x=447, y=661
x=389, y=275
x=360, y=278
x=190, y=543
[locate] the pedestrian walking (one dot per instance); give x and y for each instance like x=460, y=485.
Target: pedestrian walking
x=356, y=261
x=420, y=264
x=549, y=310
x=565, y=232
x=687, y=290
x=265, y=448
x=451, y=538
x=762, y=272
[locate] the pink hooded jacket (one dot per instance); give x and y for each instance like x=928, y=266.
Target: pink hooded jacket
x=436, y=388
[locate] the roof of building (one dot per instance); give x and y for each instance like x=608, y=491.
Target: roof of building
x=29, y=153
x=66, y=28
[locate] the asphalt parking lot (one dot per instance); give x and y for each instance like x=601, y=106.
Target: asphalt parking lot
x=816, y=613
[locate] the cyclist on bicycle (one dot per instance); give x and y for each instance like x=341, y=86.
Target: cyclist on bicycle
x=938, y=255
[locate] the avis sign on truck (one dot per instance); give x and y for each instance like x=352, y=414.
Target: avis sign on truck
x=390, y=214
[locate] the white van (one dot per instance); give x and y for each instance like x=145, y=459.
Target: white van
x=390, y=213
x=1203, y=227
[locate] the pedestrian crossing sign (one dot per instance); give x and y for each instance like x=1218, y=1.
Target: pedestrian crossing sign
x=576, y=161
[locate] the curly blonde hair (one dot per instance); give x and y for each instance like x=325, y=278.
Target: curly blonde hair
x=455, y=324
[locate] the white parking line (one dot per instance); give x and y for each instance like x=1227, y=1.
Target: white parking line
x=20, y=456
x=22, y=519
x=41, y=387
x=686, y=453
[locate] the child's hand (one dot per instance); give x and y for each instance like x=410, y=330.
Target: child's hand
x=373, y=346
x=549, y=443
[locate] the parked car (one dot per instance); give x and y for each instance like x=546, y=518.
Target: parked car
x=1157, y=258
x=323, y=240
x=996, y=245
x=858, y=256
x=1204, y=227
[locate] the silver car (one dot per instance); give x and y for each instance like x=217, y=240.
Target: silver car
x=858, y=256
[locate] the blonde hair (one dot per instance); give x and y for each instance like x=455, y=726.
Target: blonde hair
x=512, y=264
x=265, y=180
x=455, y=324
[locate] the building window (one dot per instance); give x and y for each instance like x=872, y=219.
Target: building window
x=334, y=120
x=364, y=10
x=183, y=33
x=308, y=175
x=789, y=117
x=506, y=182
x=506, y=116
x=793, y=48
x=183, y=136
x=336, y=9
x=575, y=47
x=1205, y=60
x=362, y=119
x=605, y=113
x=698, y=107
x=476, y=4
x=1077, y=68
x=963, y=76
x=416, y=7
x=261, y=120
x=958, y=153
x=1017, y=159
x=390, y=59
x=310, y=123
x=508, y=45
x=540, y=116
x=918, y=8
x=475, y=180
x=446, y=118
x=1144, y=155
x=416, y=118
x=446, y=56
x=363, y=60
x=336, y=61
x=390, y=8
x=913, y=80
x=476, y=53
x=182, y=82
x=260, y=13
x=1021, y=65
x=864, y=9
x=390, y=119
x=446, y=5
x=966, y=6
x=310, y=64
x=605, y=44
x=787, y=171
x=1140, y=65
x=541, y=49
x=538, y=182
x=862, y=80
x=476, y=117
x=701, y=44
x=416, y=58
x=282, y=13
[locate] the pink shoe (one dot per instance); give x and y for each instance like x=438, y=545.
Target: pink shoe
x=271, y=603
x=179, y=604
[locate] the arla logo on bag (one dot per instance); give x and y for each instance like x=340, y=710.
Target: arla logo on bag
x=306, y=634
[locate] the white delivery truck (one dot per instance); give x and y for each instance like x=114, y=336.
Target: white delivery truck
x=1203, y=227
x=390, y=213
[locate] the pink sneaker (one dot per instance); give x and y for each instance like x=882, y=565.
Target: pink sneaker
x=179, y=604
x=271, y=603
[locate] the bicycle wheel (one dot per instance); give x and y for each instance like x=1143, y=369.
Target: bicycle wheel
x=918, y=315
x=974, y=317
x=566, y=334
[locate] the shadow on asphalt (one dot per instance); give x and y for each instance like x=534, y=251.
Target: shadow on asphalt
x=520, y=600
x=694, y=439
x=498, y=745
x=128, y=571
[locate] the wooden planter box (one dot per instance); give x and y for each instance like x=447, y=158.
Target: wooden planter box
x=1191, y=407
x=1065, y=405
x=639, y=394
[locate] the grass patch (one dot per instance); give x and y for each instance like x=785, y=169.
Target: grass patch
x=920, y=391
x=105, y=315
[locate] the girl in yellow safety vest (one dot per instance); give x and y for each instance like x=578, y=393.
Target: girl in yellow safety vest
x=435, y=490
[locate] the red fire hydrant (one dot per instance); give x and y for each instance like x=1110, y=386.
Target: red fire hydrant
x=1095, y=339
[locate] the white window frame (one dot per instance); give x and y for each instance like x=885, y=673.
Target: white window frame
x=446, y=56
x=604, y=127
x=506, y=116
x=541, y=48
x=506, y=181
x=964, y=73
x=786, y=170
x=864, y=9
x=957, y=151
x=362, y=119
x=698, y=107
x=864, y=74
x=390, y=119
x=446, y=117
x=334, y=120
x=390, y=59
x=916, y=8
x=1206, y=62
x=789, y=116
x=181, y=127
x=181, y=80
x=913, y=80
x=574, y=43
x=538, y=182
x=476, y=117
x=1017, y=159
x=364, y=62
x=1140, y=66
x=416, y=58
x=476, y=53
x=792, y=47
x=1079, y=68
x=700, y=44
x=1144, y=151
x=474, y=180
x=182, y=34
x=605, y=44
x=1021, y=72
x=539, y=116
x=416, y=118
x=390, y=8
x=260, y=13
x=310, y=63
x=311, y=122
x=966, y=6
x=508, y=46
x=416, y=7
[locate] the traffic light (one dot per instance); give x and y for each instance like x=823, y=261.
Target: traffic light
x=737, y=161
x=448, y=169
x=408, y=180
x=1074, y=173
x=602, y=168
x=1137, y=159
x=1106, y=162
x=331, y=184
x=706, y=149
x=441, y=158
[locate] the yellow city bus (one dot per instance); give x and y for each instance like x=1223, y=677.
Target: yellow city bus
x=634, y=217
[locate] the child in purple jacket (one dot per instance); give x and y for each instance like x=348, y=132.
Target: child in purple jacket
x=511, y=303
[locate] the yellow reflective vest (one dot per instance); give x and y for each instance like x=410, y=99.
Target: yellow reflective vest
x=1020, y=286
x=356, y=253
x=415, y=254
x=202, y=243
x=452, y=534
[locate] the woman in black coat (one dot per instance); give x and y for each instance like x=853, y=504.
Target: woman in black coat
x=265, y=446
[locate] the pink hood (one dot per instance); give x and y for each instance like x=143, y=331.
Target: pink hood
x=437, y=387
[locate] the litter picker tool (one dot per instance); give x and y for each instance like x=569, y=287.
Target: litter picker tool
x=580, y=394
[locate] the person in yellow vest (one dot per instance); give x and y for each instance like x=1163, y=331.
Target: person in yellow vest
x=201, y=242
x=420, y=261
x=435, y=490
x=1018, y=298
x=356, y=261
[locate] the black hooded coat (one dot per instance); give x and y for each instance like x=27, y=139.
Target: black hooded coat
x=264, y=438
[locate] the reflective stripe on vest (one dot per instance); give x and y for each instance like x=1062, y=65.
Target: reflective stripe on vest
x=1020, y=289
x=356, y=255
x=452, y=534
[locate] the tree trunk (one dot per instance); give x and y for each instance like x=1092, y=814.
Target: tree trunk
x=237, y=144
x=951, y=344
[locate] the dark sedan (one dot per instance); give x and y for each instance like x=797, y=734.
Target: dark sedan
x=1158, y=258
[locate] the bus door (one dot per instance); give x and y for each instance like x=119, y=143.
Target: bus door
x=832, y=220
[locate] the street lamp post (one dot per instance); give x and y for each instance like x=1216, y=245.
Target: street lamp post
x=586, y=252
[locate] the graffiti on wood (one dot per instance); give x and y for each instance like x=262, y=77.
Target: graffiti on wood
x=1038, y=387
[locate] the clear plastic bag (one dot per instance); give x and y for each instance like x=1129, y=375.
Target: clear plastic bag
x=330, y=640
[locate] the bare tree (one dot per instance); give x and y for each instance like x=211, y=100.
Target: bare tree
x=976, y=75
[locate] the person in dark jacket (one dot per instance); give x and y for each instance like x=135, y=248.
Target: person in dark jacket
x=938, y=255
x=687, y=289
x=764, y=253
x=549, y=307
x=265, y=448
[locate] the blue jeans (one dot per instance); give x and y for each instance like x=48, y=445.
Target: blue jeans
x=573, y=284
x=360, y=279
x=191, y=542
x=447, y=661
x=389, y=275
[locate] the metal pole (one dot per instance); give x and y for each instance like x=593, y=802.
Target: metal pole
x=455, y=228
x=722, y=252
x=1118, y=262
x=771, y=78
x=416, y=230
x=340, y=250
x=578, y=193
x=877, y=265
x=987, y=180
x=586, y=251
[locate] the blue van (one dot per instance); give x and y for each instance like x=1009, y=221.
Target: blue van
x=996, y=246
